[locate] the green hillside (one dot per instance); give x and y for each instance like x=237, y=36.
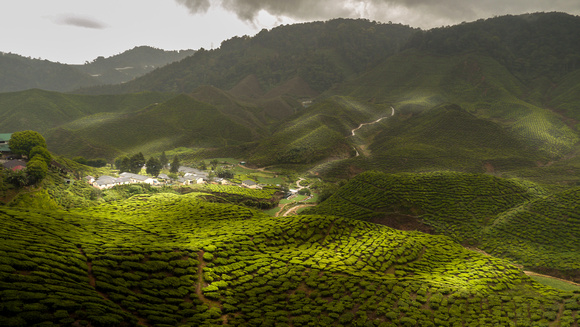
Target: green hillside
x=181, y=121
x=315, y=134
x=564, y=99
x=541, y=234
x=417, y=81
x=18, y=73
x=533, y=46
x=130, y=64
x=171, y=260
x=448, y=137
x=321, y=53
x=42, y=110
x=510, y=218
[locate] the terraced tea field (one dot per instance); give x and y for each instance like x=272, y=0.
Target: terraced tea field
x=167, y=259
x=507, y=218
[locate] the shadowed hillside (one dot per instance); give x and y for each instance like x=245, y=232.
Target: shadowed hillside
x=181, y=121
x=130, y=64
x=317, y=133
x=321, y=53
x=18, y=73
x=42, y=110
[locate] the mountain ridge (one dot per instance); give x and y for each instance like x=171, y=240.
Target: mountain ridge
x=19, y=73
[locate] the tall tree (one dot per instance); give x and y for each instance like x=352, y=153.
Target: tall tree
x=41, y=152
x=36, y=169
x=214, y=163
x=202, y=165
x=153, y=166
x=123, y=164
x=163, y=160
x=23, y=142
x=175, y=165
x=137, y=162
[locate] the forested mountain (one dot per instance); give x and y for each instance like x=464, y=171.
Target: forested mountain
x=321, y=53
x=532, y=46
x=130, y=64
x=19, y=73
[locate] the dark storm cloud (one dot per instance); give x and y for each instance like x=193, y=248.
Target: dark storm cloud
x=195, y=6
x=78, y=21
x=412, y=12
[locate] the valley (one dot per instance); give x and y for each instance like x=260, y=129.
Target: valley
x=347, y=173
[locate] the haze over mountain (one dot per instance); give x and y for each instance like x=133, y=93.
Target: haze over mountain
x=19, y=73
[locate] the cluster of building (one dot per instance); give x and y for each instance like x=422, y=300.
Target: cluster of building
x=7, y=158
x=4, y=148
x=190, y=176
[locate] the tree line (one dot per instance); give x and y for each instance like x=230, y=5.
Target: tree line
x=31, y=145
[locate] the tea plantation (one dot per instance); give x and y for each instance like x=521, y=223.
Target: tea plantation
x=171, y=260
x=506, y=217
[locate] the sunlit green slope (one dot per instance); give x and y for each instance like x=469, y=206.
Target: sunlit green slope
x=42, y=110
x=507, y=217
x=541, y=234
x=448, y=137
x=316, y=133
x=181, y=121
x=176, y=260
x=415, y=81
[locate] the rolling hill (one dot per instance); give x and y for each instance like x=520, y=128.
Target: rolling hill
x=472, y=131
x=169, y=259
x=181, y=121
x=41, y=110
x=509, y=218
x=18, y=73
x=315, y=134
x=130, y=64
x=321, y=53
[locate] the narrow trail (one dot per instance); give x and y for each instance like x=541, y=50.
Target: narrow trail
x=293, y=206
x=531, y=273
x=374, y=122
x=353, y=132
x=295, y=209
x=527, y=272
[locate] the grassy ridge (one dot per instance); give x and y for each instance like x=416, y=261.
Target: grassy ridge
x=317, y=133
x=169, y=259
x=448, y=136
x=540, y=234
x=418, y=81
x=508, y=218
x=443, y=137
x=181, y=121
x=42, y=110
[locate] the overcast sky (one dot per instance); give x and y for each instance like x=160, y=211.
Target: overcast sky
x=75, y=31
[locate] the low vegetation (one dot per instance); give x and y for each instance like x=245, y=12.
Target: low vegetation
x=170, y=259
x=506, y=217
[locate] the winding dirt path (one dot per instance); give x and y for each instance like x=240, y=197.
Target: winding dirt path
x=353, y=132
x=295, y=209
x=531, y=273
x=374, y=122
x=527, y=272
